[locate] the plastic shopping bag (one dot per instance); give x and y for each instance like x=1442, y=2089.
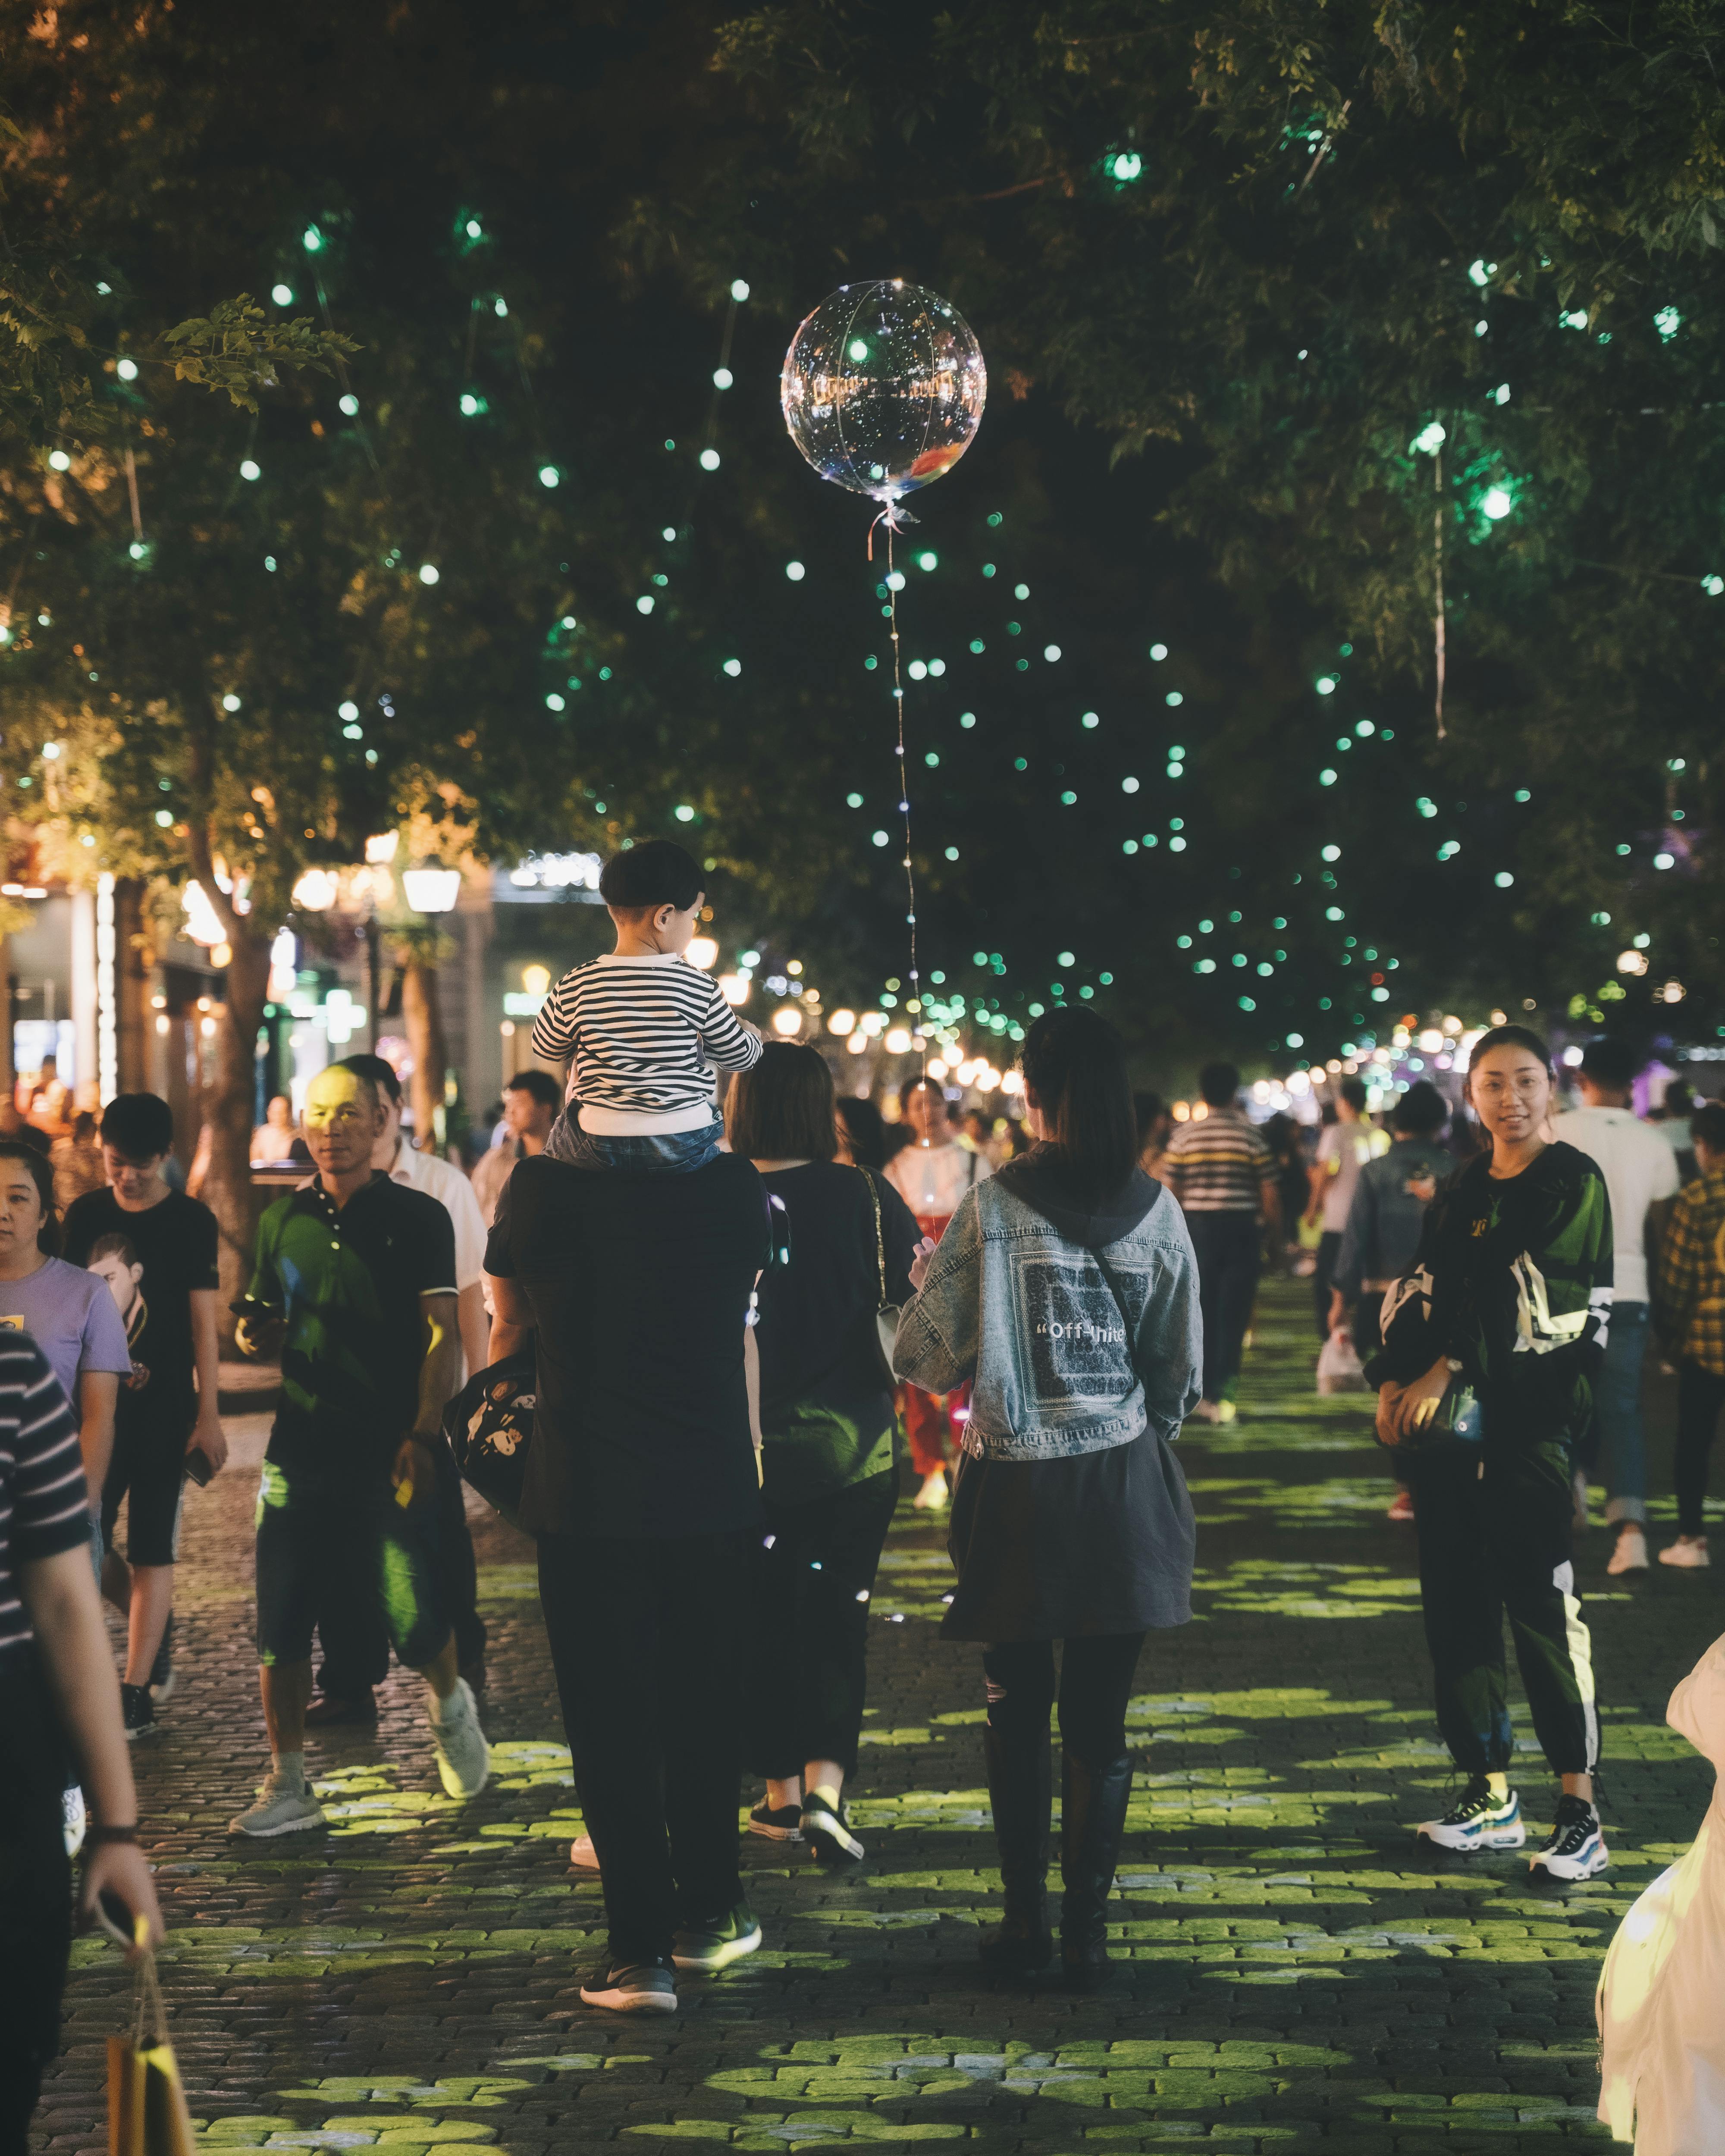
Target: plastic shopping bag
x=1338, y=1366
x=147, y=2106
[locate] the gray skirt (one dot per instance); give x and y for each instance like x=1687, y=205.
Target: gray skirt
x=1067, y=1549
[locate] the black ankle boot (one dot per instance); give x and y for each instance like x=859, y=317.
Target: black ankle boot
x=1092, y=1818
x=1021, y=1793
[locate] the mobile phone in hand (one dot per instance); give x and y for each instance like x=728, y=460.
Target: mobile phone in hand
x=198, y=1467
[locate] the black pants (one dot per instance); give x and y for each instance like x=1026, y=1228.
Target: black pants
x=351, y=1629
x=1095, y=1683
x=1226, y=1244
x=1491, y=1546
x=646, y=1639
x=1701, y=1394
x=35, y=1894
x=807, y=1674
x=1323, y=1279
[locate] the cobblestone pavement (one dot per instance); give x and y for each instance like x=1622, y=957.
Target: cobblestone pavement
x=1292, y=1977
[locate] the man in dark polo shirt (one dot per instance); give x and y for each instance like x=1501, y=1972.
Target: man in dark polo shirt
x=642, y=1489
x=355, y=1285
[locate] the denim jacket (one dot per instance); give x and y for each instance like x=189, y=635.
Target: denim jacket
x=1022, y=1313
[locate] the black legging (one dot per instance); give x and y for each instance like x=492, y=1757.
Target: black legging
x=1701, y=1394
x=1095, y=1683
x=35, y=1894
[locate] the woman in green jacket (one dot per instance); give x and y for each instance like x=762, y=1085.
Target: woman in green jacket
x=1485, y=1378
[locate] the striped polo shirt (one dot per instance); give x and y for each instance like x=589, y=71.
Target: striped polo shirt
x=643, y=1034
x=1217, y=1164
x=44, y=1501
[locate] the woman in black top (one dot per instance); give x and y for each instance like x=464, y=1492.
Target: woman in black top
x=845, y=1240
x=1507, y=1301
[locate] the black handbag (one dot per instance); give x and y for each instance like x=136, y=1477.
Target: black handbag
x=489, y=1427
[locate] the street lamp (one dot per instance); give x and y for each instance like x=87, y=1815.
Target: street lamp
x=432, y=888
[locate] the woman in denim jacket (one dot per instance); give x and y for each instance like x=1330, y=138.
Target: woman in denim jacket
x=1065, y=1293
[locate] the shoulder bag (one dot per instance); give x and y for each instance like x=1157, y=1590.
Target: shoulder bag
x=886, y=1312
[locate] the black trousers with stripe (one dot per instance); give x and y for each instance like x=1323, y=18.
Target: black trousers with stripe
x=1495, y=1541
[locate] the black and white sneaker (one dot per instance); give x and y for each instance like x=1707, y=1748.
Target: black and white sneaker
x=1479, y=1820
x=135, y=1712
x=826, y=1829
x=1577, y=1847
x=784, y=1824
x=161, y=1670
x=638, y=1987
x=718, y=1940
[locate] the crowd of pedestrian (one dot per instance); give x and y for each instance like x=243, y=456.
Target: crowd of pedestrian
x=721, y=1323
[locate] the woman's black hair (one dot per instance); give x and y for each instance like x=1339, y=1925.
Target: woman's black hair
x=1075, y=1064
x=864, y=1130
x=782, y=1108
x=48, y=1235
x=1510, y=1036
x=922, y=1083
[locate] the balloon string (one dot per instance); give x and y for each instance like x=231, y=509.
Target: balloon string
x=904, y=781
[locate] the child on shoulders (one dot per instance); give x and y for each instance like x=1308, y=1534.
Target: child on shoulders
x=643, y=1028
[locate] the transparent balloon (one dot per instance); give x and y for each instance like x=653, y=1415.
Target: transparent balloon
x=883, y=388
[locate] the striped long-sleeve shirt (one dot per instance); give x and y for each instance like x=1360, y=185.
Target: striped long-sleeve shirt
x=44, y=1501
x=644, y=1033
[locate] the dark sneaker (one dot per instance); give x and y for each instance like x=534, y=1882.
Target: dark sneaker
x=137, y=1711
x=330, y=1712
x=1577, y=1846
x=161, y=1670
x=641, y=1987
x=826, y=1829
x=1479, y=1821
x=784, y=1824
x=713, y=1945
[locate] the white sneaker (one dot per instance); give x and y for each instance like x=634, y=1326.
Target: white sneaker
x=1479, y=1821
x=582, y=1855
x=1630, y=1554
x=1577, y=1847
x=74, y=1822
x=932, y=1498
x=464, y=1759
x=1688, y=1551
x=283, y=1807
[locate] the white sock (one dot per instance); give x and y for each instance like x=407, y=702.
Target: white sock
x=291, y=1767
x=451, y=1708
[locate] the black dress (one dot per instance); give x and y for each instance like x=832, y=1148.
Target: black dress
x=1071, y=1549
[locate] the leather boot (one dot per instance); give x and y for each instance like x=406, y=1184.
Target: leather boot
x=1093, y=1802
x=1021, y=1794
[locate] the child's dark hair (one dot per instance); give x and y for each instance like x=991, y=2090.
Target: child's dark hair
x=658, y=873
x=48, y=1235
x=1422, y=1111
x=1075, y=1064
x=139, y=1125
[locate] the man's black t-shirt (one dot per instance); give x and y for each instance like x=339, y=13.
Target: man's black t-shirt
x=639, y=1286
x=152, y=1262
x=347, y=1280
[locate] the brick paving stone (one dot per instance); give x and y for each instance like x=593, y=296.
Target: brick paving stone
x=1293, y=1976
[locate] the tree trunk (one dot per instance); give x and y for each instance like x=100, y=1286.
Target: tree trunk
x=422, y=1016
x=229, y=1104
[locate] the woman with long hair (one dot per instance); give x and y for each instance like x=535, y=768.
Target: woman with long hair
x=845, y=1240
x=1065, y=1293
x=1485, y=1379
x=931, y=1173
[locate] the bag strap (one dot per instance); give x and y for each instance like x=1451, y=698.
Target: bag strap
x=149, y=2017
x=1114, y=1289
x=880, y=1234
